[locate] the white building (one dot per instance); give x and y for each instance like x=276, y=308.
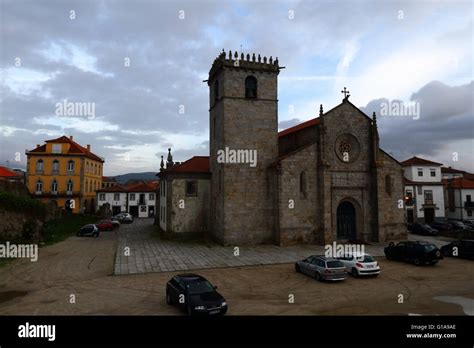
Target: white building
x=459, y=198
x=142, y=199
x=115, y=196
x=424, y=192
x=138, y=199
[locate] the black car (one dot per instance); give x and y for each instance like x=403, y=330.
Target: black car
x=458, y=225
x=441, y=226
x=89, y=231
x=195, y=295
x=461, y=248
x=417, y=252
x=423, y=229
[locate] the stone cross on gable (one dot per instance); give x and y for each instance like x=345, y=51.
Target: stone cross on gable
x=346, y=93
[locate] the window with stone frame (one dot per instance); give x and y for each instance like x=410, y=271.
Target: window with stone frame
x=191, y=188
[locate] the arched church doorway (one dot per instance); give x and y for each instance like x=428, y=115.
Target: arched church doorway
x=346, y=221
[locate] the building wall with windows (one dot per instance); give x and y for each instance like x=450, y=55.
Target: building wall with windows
x=424, y=192
x=459, y=193
x=61, y=171
x=138, y=199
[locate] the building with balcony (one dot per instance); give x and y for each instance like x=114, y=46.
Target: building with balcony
x=62, y=172
x=424, y=193
x=137, y=199
x=459, y=193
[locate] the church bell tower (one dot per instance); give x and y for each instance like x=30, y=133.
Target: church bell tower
x=243, y=119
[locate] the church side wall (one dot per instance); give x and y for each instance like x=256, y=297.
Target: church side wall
x=298, y=223
x=391, y=218
x=194, y=216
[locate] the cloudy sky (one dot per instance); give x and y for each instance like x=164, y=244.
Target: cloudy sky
x=142, y=64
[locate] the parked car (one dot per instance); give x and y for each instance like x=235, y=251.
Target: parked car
x=105, y=225
x=195, y=295
x=441, y=226
x=469, y=223
x=423, y=229
x=322, y=268
x=360, y=265
x=124, y=218
x=89, y=231
x=464, y=249
x=458, y=225
x=115, y=223
x=417, y=252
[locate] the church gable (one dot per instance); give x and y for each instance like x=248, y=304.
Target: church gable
x=347, y=138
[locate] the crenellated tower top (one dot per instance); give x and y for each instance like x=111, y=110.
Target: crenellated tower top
x=234, y=60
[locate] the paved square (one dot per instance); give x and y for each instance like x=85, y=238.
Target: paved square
x=148, y=253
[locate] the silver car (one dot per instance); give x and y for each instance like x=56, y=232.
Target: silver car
x=322, y=268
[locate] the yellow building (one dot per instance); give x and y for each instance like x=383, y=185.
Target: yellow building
x=61, y=171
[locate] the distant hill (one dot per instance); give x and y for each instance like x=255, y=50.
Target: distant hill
x=123, y=178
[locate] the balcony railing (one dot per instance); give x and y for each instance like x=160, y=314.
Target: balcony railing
x=469, y=205
x=56, y=193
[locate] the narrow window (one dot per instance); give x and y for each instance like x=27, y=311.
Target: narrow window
x=216, y=91
x=39, y=186
x=420, y=171
x=40, y=165
x=303, y=185
x=433, y=172
x=70, y=166
x=251, y=87
x=388, y=184
x=191, y=188
x=55, y=166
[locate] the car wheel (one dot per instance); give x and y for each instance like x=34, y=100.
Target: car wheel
x=168, y=298
x=297, y=268
x=317, y=276
x=354, y=273
x=417, y=261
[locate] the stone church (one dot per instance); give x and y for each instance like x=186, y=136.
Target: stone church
x=321, y=181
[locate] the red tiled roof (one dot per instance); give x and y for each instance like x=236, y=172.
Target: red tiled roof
x=5, y=172
x=451, y=170
x=109, y=179
x=74, y=148
x=298, y=127
x=459, y=183
x=196, y=164
x=143, y=187
x=418, y=161
x=114, y=188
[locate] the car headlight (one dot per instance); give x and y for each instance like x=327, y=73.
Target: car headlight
x=224, y=304
x=199, y=308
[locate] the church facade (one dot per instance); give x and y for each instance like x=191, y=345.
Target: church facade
x=321, y=181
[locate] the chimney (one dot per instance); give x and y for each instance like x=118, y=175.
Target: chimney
x=71, y=137
x=88, y=147
x=37, y=145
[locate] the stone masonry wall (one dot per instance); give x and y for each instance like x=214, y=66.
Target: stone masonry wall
x=298, y=224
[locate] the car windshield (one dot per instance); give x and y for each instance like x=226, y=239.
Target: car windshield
x=199, y=287
x=367, y=258
x=429, y=247
x=334, y=264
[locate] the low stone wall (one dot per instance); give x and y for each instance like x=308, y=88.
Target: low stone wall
x=18, y=226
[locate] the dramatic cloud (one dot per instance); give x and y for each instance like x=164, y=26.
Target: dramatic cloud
x=142, y=63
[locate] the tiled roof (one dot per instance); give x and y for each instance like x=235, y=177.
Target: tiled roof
x=74, y=148
x=114, y=188
x=451, y=170
x=5, y=172
x=298, y=127
x=459, y=183
x=143, y=187
x=196, y=164
x=419, y=161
